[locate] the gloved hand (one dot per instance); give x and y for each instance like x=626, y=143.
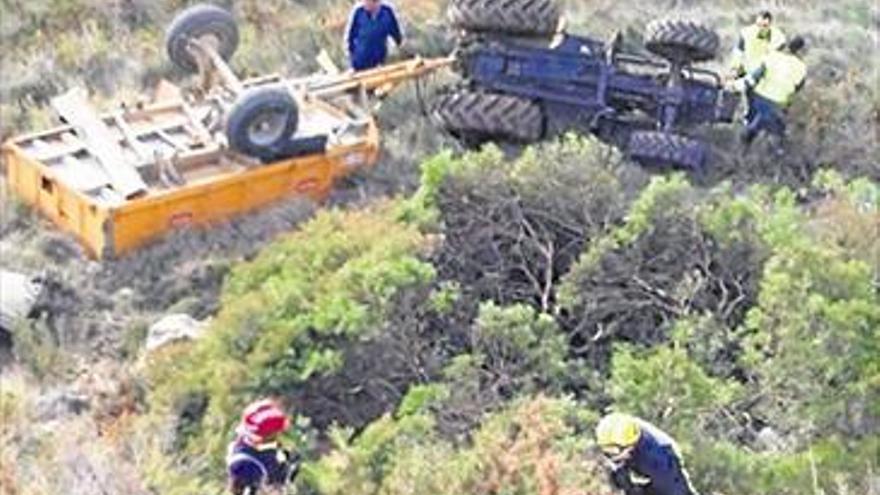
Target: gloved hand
x=404, y=49
x=621, y=480
x=294, y=461
x=736, y=85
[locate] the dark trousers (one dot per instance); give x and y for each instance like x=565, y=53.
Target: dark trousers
x=763, y=115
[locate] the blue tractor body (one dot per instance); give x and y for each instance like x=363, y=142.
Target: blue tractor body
x=643, y=104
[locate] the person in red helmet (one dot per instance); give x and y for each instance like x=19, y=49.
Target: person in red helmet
x=256, y=460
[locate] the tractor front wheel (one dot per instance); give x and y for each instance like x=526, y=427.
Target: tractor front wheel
x=514, y=17
x=661, y=149
x=479, y=117
x=681, y=41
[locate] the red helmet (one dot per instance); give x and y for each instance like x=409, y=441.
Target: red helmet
x=263, y=419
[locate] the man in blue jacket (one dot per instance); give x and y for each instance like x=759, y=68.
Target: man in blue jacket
x=370, y=25
x=643, y=459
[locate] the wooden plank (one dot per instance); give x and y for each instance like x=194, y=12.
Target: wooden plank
x=168, y=138
x=326, y=63
x=128, y=133
x=74, y=108
x=57, y=151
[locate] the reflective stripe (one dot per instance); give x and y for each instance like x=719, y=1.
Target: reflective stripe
x=755, y=48
x=241, y=456
x=783, y=74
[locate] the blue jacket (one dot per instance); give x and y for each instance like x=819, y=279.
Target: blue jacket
x=656, y=458
x=367, y=36
x=253, y=467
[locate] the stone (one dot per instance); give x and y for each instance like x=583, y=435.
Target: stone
x=18, y=294
x=60, y=404
x=173, y=328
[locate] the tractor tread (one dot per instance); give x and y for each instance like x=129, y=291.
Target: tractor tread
x=518, y=17
x=482, y=116
x=663, y=149
x=681, y=40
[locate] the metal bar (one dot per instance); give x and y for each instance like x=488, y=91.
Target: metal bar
x=170, y=140
x=129, y=136
x=374, y=78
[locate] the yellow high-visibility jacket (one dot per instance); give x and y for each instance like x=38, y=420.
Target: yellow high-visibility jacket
x=779, y=76
x=751, y=48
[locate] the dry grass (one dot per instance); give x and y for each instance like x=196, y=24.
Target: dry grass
x=47, y=449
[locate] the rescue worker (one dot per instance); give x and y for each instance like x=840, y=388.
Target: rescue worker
x=255, y=459
x=370, y=25
x=754, y=43
x=643, y=460
x=773, y=83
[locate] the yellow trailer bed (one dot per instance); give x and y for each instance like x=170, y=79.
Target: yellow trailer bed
x=119, y=180
x=191, y=180
x=184, y=174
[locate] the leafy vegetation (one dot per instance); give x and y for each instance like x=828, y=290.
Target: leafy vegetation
x=701, y=311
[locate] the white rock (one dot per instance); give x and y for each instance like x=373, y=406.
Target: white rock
x=173, y=328
x=771, y=441
x=18, y=293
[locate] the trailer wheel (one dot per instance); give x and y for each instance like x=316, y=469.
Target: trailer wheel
x=261, y=121
x=204, y=21
x=479, y=117
x=661, y=149
x=518, y=17
x=681, y=41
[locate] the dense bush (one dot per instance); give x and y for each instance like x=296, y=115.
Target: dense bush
x=532, y=446
x=510, y=230
x=303, y=310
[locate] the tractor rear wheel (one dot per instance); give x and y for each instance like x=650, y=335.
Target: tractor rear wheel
x=479, y=117
x=516, y=17
x=203, y=21
x=661, y=149
x=681, y=41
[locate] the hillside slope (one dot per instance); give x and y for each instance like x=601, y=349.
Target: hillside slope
x=457, y=322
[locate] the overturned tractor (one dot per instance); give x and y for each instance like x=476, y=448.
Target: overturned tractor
x=525, y=79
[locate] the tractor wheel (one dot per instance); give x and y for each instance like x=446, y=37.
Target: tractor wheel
x=516, y=17
x=479, y=117
x=261, y=121
x=204, y=21
x=654, y=148
x=681, y=41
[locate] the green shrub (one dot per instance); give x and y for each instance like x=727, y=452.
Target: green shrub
x=287, y=314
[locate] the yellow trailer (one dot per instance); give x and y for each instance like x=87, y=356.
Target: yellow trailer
x=124, y=178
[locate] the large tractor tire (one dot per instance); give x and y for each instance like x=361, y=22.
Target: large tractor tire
x=515, y=17
x=206, y=22
x=262, y=120
x=661, y=149
x=479, y=117
x=681, y=41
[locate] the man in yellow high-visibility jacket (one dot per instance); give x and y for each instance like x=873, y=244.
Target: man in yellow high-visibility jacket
x=774, y=82
x=754, y=43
